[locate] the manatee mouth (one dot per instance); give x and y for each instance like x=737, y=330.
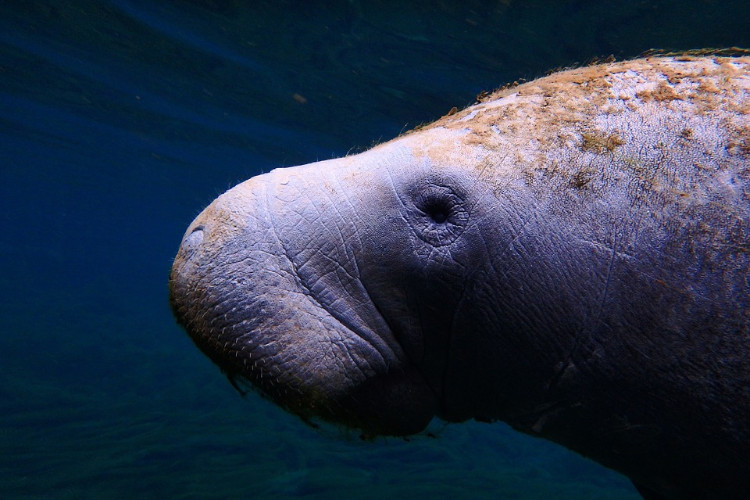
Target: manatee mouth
x=253, y=303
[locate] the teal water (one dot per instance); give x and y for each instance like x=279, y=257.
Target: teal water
x=120, y=120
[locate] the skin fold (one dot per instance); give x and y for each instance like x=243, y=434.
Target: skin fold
x=570, y=256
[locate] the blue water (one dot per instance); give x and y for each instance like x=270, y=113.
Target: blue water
x=120, y=120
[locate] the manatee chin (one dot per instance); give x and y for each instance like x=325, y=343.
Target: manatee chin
x=569, y=256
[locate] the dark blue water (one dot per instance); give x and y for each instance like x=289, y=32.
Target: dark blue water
x=120, y=120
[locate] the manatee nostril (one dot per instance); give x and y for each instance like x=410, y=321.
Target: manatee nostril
x=192, y=241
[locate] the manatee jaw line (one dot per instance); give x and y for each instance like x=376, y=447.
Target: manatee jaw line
x=261, y=303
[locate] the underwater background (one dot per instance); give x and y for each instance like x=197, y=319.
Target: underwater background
x=120, y=120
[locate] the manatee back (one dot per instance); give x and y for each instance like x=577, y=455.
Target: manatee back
x=646, y=163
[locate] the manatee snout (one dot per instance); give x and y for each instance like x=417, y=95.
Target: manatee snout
x=242, y=294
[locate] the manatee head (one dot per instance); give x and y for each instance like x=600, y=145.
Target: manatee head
x=337, y=288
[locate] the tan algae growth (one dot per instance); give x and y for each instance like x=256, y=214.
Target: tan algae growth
x=663, y=92
x=600, y=143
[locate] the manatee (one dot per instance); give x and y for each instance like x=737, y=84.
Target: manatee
x=570, y=256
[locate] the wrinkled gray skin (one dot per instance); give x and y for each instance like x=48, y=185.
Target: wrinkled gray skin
x=570, y=256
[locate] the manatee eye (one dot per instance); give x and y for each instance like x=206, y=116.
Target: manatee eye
x=438, y=211
x=440, y=214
